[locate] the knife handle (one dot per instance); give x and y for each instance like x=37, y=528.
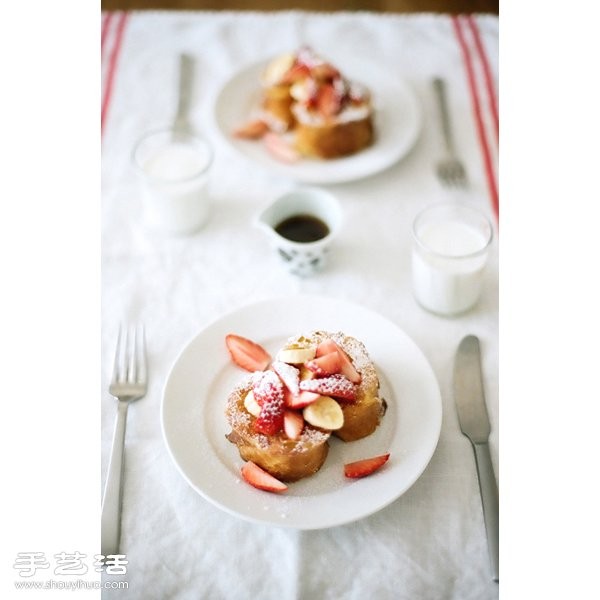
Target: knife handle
x=489, y=498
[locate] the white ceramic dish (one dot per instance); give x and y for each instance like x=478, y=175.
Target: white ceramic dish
x=397, y=125
x=194, y=425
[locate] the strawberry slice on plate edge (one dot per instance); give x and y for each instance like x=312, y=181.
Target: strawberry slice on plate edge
x=365, y=466
x=247, y=354
x=259, y=478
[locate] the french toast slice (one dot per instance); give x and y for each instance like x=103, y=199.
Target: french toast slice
x=284, y=458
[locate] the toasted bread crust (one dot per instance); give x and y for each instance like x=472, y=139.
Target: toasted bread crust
x=277, y=104
x=334, y=139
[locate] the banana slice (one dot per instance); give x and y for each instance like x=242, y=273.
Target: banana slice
x=306, y=373
x=296, y=355
x=325, y=413
x=277, y=68
x=251, y=405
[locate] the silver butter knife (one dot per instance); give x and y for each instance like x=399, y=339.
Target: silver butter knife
x=475, y=424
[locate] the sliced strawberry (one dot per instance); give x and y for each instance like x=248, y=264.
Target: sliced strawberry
x=293, y=424
x=326, y=347
x=328, y=364
x=252, y=130
x=247, y=354
x=270, y=420
x=333, y=385
x=268, y=392
x=260, y=479
x=346, y=366
x=297, y=72
x=329, y=101
x=289, y=375
x=364, y=467
x=287, y=397
x=349, y=370
x=267, y=387
x=280, y=148
x=301, y=400
x=325, y=71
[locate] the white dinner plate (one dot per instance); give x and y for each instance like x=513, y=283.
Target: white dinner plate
x=397, y=125
x=202, y=377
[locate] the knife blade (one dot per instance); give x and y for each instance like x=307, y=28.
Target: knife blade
x=474, y=423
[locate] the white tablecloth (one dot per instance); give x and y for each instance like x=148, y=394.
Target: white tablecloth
x=431, y=542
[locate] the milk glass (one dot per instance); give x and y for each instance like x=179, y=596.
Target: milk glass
x=450, y=251
x=174, y=170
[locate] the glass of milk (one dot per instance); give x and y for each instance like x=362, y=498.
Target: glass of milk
x=450, y=249
x=174, y=173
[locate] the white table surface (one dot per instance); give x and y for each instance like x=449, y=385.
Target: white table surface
x=431, y=542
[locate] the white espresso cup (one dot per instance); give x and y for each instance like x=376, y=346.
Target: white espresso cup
x=301, y=226
x=173, y=169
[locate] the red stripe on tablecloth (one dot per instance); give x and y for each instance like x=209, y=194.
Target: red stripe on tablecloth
x=106, y=20
x=112, y=67
x=487, y=72
x=483, y=142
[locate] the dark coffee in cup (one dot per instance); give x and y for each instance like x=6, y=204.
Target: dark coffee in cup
x=301, y=225
x=302, y=228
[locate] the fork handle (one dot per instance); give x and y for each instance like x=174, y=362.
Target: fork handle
x=110, y=531
x=186, y=72
x=439, y=86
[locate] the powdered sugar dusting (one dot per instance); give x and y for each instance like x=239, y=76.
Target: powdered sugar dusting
x=334, y=385
x=310, y=437
x=237, y=418
x=267, y=389
x=289, y=374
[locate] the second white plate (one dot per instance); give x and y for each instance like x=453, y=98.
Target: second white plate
x=194, y=424
x=397, y=125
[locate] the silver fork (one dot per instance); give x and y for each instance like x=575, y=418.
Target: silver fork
x=129, y=383
x=450, y=170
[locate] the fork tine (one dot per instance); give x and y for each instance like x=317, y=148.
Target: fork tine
x=131, y=353
x=141, y=355
x=452, y=175
x=123, y=354
x=117, y=371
